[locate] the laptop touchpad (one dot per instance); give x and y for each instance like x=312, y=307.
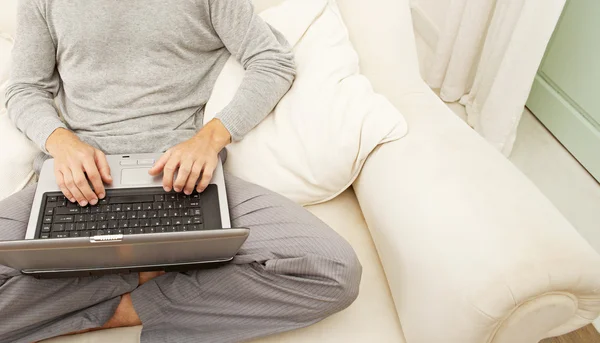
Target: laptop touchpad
x=139, y=176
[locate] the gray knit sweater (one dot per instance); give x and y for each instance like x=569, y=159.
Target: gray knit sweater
x=134, y=76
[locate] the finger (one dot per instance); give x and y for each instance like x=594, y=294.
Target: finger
x=157, y=168
x=72, y=187
x=207, y=174
x=60, y=181
x=93, y=174
x=169, y=172
x=103, y=167
x=84, y=187
x=185, y=168
x=193, y=178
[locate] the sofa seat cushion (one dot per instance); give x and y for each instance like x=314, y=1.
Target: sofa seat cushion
x=371, y=318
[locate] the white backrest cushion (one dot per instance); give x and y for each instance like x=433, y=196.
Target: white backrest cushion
x=8, y=16
x=313, y=146
x=5, y=47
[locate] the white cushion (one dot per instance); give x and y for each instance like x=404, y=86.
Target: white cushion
x=371, y=318
x=312, y=147
x=5, y=47
x=17, y=157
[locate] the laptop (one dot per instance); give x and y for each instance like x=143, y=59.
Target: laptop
x=136, y=227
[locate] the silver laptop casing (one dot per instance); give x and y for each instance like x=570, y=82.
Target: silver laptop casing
x=127, y=171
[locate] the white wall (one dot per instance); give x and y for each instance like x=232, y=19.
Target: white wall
x=429, y=17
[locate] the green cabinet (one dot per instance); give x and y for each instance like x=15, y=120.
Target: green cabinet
x=566, y=93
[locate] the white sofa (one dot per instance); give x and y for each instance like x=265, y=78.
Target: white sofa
x=457, y=245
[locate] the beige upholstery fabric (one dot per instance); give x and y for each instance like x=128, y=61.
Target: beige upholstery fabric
x=371, y=318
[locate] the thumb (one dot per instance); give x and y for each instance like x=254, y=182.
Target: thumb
x=103, y=167
x=160, y=164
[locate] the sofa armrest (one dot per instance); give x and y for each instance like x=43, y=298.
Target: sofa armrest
x=472, y=250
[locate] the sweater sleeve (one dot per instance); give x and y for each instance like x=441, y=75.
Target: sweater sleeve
x=265, y=55
x=34, y=80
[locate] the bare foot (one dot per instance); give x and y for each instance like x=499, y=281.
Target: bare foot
x=125, y=315
x=147, y=276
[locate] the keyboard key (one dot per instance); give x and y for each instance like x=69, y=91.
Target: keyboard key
x=70, y=227
x=162, y=229
x=75, y=234
x=196, y=212
x=173, y=229
x=137, y=207
x=142, y=214
x=101, y=216
x=197, y=220
x=186, y=212
x=92, y=226
x=140, y=230
x=58, y=227
x=59, y=235
x=67, y=210
x=132, y=215
x=80, y=226
x=51, y=204
x=183, y=228
x=152, y=214
x=122, y=215
x=163, y=213
x=85, y=210
x=113, y=224
x=103, y=225
x=47, y=219
x=85, y=234
x=157, y=206
x=80, y=218
x=99, y=233
x=52, y=198
x=144, y=222
x=49, y=211
x=160, y=198
x=155, y=222
x=147, y=206
x=46, y=228
x=168, y=205
x=45, y=235
x=71, y=205
x=195, y=203
x=127, y=207
x=112, y=216
x=117, y=231
x=134, y=223
x=165, y=221
x=106, y=208
x=117, y=207
x=188, y=220
x=95, y=209
x=195, y=196
x=103, y=201
x=177, y=221
x=130, y=199
x=63, y=219
x=123, y=224
x=195, y=227
x=174, y=213
x=171, y=197
x=129, y=231
x=178, y=205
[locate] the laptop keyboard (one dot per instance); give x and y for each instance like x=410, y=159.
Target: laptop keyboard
x=122, y=211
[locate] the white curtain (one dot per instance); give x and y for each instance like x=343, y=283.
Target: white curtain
x=487, y=56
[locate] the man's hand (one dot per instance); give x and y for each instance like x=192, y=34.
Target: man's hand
x=193, y=159
x=73, y=159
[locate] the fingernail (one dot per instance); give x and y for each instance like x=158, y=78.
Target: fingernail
x=167, y=189
x=94, y=201
x=101, y=195
x=84, y=203
x=188, y=192
x=177, y=189
x=72, y=200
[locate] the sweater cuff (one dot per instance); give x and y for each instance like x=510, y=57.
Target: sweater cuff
x=42, y=129
x=233, y=122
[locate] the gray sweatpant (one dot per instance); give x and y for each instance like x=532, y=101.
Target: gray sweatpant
x=292, y=271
